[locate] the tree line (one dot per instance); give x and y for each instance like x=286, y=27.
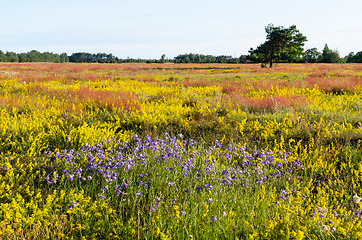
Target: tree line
x=283, y=45
x=36, y=56
x=33, y=56
x=83, y=57
x=330, y=56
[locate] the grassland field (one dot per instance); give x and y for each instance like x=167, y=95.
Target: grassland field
x=180, y=151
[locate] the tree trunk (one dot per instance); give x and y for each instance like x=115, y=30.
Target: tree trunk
x=271, y=63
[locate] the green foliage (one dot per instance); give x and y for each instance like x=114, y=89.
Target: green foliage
x=200, y=58
x=3, y=57
x=162, y=60
x=63, y=58
x=282, y=44
x=329, y=56
x=354, y=58
x=92, y=58
x=12, y=57
x=33, y=56
x=311, y=55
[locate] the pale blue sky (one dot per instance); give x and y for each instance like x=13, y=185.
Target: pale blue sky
x=150, y=28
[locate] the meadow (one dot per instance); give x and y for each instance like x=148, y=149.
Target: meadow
x=180, y=151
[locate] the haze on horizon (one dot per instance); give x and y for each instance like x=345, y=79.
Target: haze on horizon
x=148, y=29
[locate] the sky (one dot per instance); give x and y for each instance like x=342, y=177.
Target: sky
x=150, y=28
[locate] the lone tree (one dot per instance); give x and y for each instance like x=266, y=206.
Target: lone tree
x=281, y=44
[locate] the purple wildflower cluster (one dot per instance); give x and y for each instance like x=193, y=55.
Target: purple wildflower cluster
x=51, y=180
x=169, y=164
x=321, y=214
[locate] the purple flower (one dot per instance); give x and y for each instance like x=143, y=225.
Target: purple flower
x=213, y=218
x=210, y=200
x=71, y=177
x=138, y=194
x=357, y=213
x=183, y=213
x=73, y=204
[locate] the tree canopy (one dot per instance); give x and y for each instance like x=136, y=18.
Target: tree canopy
x=354, y=58
x=282, y=44
x=311, y=55
x=329, y=55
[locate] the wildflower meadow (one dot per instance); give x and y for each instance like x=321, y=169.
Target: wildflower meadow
x=180, y=151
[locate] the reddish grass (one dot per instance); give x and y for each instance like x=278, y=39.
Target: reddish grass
x=334, y=85
x=198, y=83
x=266, y=104
x=108, y=99
x=230, y=89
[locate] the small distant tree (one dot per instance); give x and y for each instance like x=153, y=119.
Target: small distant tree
x=35, y=56
x=243, y=59
x=311, y=55
x=281, y=43
x=358, y=57
x=3, y=57
x=163, y=58
x=329, y=56
x=63, y=57
x=23, y=57
x=12, y=57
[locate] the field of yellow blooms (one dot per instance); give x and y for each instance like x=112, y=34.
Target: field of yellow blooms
x=180, y=151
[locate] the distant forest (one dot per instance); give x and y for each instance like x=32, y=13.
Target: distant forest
x=309, y=56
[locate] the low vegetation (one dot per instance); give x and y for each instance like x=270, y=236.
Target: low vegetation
x=177, y=151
